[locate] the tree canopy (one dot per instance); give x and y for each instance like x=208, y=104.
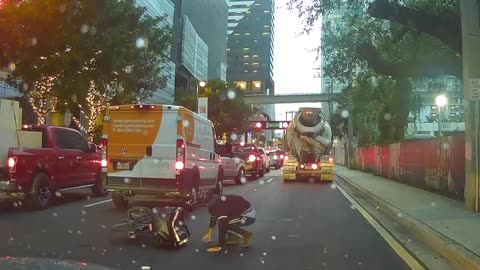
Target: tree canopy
x=84, y=53
x=378, y=49
x=226, y=107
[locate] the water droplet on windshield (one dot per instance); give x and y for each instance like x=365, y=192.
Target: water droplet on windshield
x=223, y=198
x=20, y=203
x=145, y=267
x=233, y=137
x=28, y=246
x=128, y=69
x=433, y=204
x=226, y=252
x=126, y=180
x=62, y=8
x=352, y=207
x=274, y=237
x=333, y=186
x=84, y=28
x=231, y=94
x=264, y=253
x=193, y=217
x=261, y=182
x=324, y=264
x=399, y=215
x=11, y=66
x=58, y=194
x=346, y=256
x=186, y=123
x=164, y=215
x=196, y=250
x=11, y=238
x=79, y=232
x=241, y=254
x=84, y=212
x=445, y=145
x=180, y=223
x=344, y=113
x=69, y=251
x=103, y=226
x=70, y=231
x=34, y=41
x=359, y=263
x=141, y=43
x=134, y=262
x=255, y=190
x=15, y=204
x=83, y=220
x=54, y=214
x=387, y=117
x=144, y=246
x=262, y=261
x=325, y=251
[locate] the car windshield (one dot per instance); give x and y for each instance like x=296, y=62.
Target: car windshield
x=294, y=134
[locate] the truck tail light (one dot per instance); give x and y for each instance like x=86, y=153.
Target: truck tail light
x=12, y=164
x=314, y=166
x=275, y=157
x=251, y=158
x=180, y=160
x=330, y=160
x=104, y=143
x=285, y=157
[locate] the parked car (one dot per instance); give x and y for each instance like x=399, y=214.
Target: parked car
x=254, y=164
x=266, y=159
x=233, y=167
x=65, y=160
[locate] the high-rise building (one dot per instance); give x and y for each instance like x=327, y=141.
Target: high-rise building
x=250, y=45
x=200, y=42
x=165, y=8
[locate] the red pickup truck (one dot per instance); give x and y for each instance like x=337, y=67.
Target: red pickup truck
x=65, y=161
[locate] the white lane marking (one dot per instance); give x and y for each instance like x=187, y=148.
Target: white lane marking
x=287, y=219
x=269, y=180
x=97, y=203
x=292, y=236
x=396, y=246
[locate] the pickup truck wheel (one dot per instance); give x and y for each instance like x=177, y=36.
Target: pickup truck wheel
x=41, y=192
x=98, y=190
x=120, y=202
x=240, y=176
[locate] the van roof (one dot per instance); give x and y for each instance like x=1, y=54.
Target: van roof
x=154, y=107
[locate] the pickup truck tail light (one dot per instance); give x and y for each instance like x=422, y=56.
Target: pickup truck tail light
x=180, y=161
x=12, y=164
x=251, y=158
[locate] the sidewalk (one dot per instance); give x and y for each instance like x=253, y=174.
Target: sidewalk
x=442, y=222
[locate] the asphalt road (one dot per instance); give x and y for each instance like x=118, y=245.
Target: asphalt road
x=299, y=226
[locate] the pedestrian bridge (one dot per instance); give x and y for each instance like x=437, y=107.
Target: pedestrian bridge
x=295, y=98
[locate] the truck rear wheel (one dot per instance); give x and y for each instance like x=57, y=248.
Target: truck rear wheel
x=120, y=201
x=41, y=193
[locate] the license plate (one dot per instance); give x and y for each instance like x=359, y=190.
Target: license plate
x=123, y=166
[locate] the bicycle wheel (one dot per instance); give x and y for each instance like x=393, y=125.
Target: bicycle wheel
x=140, y=214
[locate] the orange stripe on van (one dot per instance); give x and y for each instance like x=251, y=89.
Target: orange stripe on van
x=186, y=128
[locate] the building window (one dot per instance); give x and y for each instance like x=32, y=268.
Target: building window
x=242, y=85
x=257, y=86
x=255, y=64
x=247, y=34
x=255, y=56
x=265, y=33
x=246, y=50
x=246, y=56
x=246, y=71
x=254, y=71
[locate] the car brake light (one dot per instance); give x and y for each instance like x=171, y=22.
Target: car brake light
x=314, y=166
x=259, y=158
x=11, y=162
x=180, y=161
x=281, y=156
x=285, y=157
x=302, y=166
x=104, y=163
x=251, y=158
x=179, y=165
x=275, y=157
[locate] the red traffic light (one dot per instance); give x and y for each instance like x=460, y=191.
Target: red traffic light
x=258, y=125
x=285, y=124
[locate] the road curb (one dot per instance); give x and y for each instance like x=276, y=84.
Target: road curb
x=454, y=252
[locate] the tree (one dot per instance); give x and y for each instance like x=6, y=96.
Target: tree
x=226, y=107
x=378, y=49
x=97, y=51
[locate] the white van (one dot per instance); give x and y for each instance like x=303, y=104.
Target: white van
x=159, y=153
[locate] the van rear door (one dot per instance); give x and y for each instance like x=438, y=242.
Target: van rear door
x=131, y=132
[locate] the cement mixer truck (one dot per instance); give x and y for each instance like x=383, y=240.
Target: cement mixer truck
x=309, y=143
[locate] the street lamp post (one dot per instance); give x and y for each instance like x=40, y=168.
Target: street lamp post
x=441, y=101
x=201, y=84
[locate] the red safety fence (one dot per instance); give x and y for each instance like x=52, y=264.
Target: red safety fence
x=437, y=164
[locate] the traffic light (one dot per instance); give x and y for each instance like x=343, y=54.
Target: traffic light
x=259, y=125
